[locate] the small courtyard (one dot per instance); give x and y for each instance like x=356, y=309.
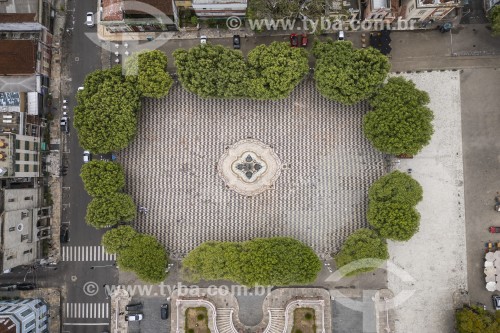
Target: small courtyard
x=320, y=196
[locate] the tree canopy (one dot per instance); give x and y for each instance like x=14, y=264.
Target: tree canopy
x=476, y=320
x=146, y=257
x=141, y=254
x=108, y=211
x=105, y=116
x=396, y=187
x=393, y=220
x=117, y=239
x=275, y=70
x=149, y=70
x=102, y=178
x=282, y=9
x=272, y=261
x=211, y=71
x=400, y=122
x=346, y=74
x=362, y=244
x=494, y=16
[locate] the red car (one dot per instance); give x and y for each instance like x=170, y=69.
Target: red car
x=303, y=40
x=294, y=40
x=495, y=230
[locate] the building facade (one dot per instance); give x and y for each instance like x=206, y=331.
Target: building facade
x=23, y=224
x=219, y=8
x=24, y=316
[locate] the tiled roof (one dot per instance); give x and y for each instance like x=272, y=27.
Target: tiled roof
x=112, y=9
x=17, y=57
x=17, y=18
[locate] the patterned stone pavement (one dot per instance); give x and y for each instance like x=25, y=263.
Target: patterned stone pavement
x=320, y=197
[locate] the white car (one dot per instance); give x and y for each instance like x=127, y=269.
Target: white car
x=80, y=88
x=86, y=156
x=341, y=35
x=203, y=39
x=133, y=317
x=90, y=19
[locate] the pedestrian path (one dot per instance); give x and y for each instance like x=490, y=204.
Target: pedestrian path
x=87, y=310
x=86, y=253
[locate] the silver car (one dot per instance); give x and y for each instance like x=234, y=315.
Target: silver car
x=90, y=20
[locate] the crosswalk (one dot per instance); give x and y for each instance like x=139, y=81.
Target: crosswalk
x=86, y=253
x=87, y=310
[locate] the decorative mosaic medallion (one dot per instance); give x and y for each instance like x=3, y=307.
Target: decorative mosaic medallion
x=249, y=167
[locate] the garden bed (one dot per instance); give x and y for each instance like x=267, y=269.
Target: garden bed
x=304, y=321
x=197, y=320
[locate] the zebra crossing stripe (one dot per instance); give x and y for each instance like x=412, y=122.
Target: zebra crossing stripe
x=87, y=310
x=86, y=253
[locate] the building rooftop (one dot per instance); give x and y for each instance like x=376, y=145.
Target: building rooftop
x=17, y=18
x=16, y=6
x=113, y=10
x=17, y=57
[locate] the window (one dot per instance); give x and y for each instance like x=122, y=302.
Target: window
x=12, y=229
x=18, y=156
x=35, y=146
x=28, y=251
x=26, y=168
x=27, y=145
x=422, y=12
x=35, y=168
x=17, y=167
x=24, y=237
x=26, y=157
x=18, y=144
x=12, y=199
x=35, y=157
x=28, y=198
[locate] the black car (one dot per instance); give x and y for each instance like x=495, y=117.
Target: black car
x=134, y=307
x=7, y=287
x=496, y=302
x=26, y=286
x=164, y=311
x=64, y=237
x=236, y=42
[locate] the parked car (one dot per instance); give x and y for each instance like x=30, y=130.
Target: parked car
x=64, y=236
x=26, y=286
x=294, y=40
x=164, y=311
x=133, y=317
x=80, y=88
x=496, y=302
x=236, y=42
x=341, y=35
x=203, y=39
x=303, y=40
x=495, y=230
x=134, y=307
x=64, y=123
x=90, y=20
x=87, y=157
x=7, y=287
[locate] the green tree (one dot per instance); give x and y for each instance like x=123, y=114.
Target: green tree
x=102, y=178
x=476, y=320
x=393, y=220
x=117, y=239
x=362, y=244
x=213, y=261
x=107, y=211
x=211, y=71
x=396, y=187
x=278, y=261
x=275, y=70
x=148, y=69
x=146, y=257
x=400, y=122
x=283, y=9
x=105, y=116
x=272, y=261
x=494, y=16
x=348, y=75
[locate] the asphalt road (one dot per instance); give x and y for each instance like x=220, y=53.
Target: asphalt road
x=81, y=312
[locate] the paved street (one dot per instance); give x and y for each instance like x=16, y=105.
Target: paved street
x=481, y=147
x=81, y=313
